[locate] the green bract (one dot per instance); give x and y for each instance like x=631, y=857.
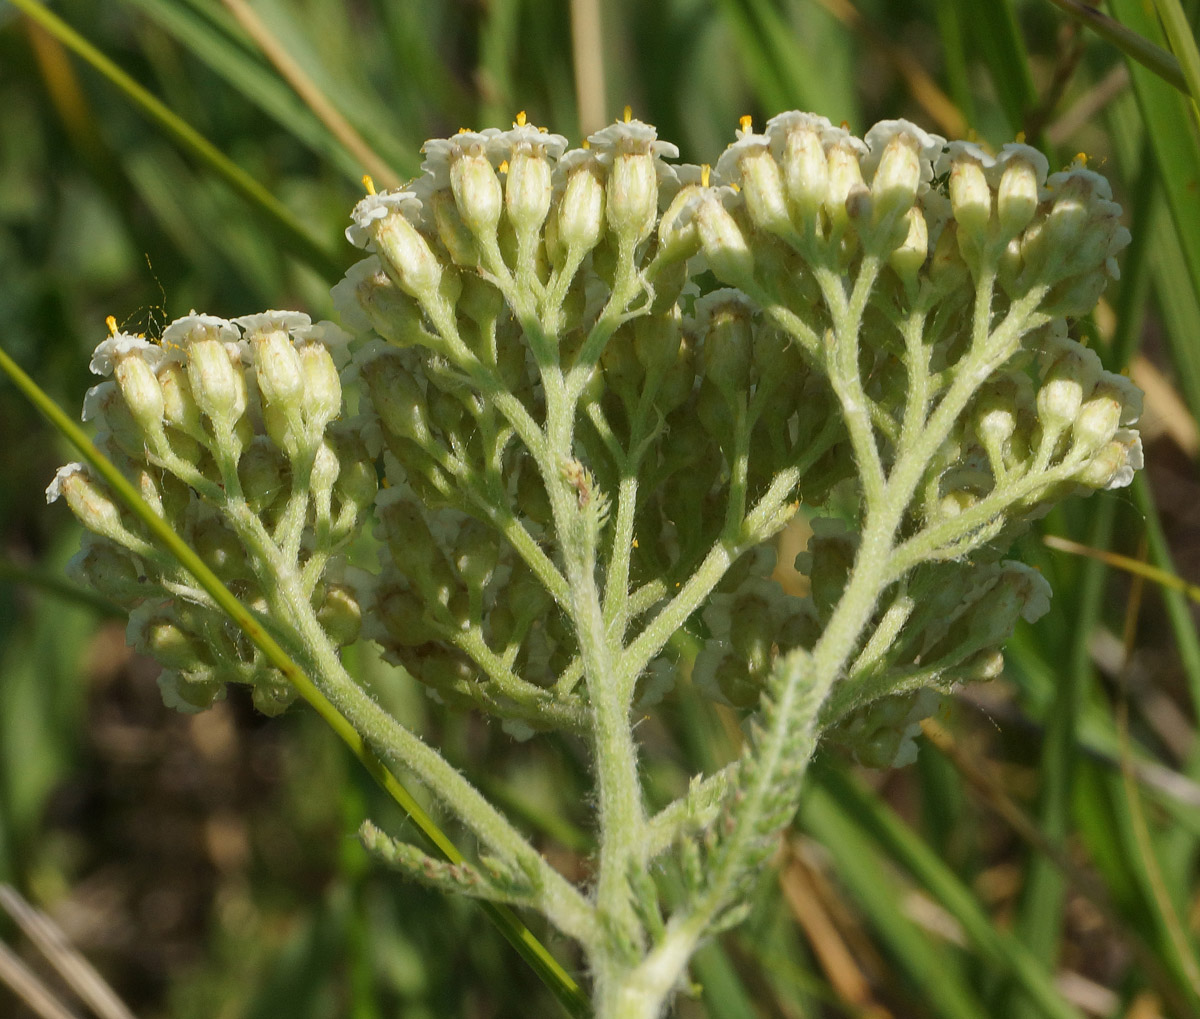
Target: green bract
x=597, y=385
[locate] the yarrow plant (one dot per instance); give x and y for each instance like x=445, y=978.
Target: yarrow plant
x=597, y=385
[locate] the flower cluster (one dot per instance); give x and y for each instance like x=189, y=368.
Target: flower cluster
x=513, y=265
x=597, y=384
x=228, y=431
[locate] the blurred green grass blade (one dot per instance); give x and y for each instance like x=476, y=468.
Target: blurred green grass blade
x=1154, y=58
x=275, y=214
x=252, y=80
x=337, y=54
x=783, y=65
x=1001, y=950
x=1107, y=831
x=958, y=60
x=1172, y=135
x=723, y=991
x=929, y=966
x=509, y=924
x=1183, y=46
x=993, y=28
x=1041, y=913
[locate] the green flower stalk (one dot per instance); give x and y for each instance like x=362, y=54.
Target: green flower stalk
x=597, y=384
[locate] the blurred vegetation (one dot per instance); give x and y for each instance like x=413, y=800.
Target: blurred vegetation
x=1040, y=859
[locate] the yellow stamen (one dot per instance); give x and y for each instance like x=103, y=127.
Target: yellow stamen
x=464, y=130
x=368, y=183
x=111, y=322
x=1020, y=137
x=628, y=114
x=705, y=171
x=1081, y=158
x=635, y=544
x=503, y=167
x=520, y=119
x=586, y=144
x=747, y=122
x=845, y=125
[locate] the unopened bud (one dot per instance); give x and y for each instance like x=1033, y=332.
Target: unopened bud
x=340, y=614
x=632, y=195
x=1017, y=196
x=970, y=198
x=581, y=209
x=762, y=185
x=142, y=392
x=909, y=258
x=527, y=190
x=90, y=503
x=723, y=242
x=477, y=193
x=322, y=386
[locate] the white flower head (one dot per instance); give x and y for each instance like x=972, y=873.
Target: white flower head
x=630, y=137
x=120, y=345
x=273, y=321
x=374, y=207
x=442, y=153
x=928, y=146
x=54, y=490
x=192, y=328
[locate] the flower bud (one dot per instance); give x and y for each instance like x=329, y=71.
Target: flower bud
x=724, y=317
x=276, y=363
x=220, y=549
x=1017, y=196
x=805, y=174
x=167, y=644
x=109, y=569
x=762, y=186
x=477, y=193
x=722, y=240
x=190, y=692
x=406, y=254
x=396, y=397
x=340, y=614
x=180, y=409
x=217, y=383
x=324, y=472
x=1061, y=393
x=527, y=190
x=454, y=234
x=970, y=197
x=90, y=503
x=580, y=212
x=909, y=258
x=476, y=552
x=322, y=386
x=1115, y=463
x=894, y=186
x=143, y=395
x=678, y=236
x=631, y=196
x=402, y=614
x=105, y=405
x=845, y=178
x=1097, y=420
x=271, y=693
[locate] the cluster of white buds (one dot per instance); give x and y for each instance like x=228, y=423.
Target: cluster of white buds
x=229, y=431
x=597, y=385
x=516, y=278
x=509, y=254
